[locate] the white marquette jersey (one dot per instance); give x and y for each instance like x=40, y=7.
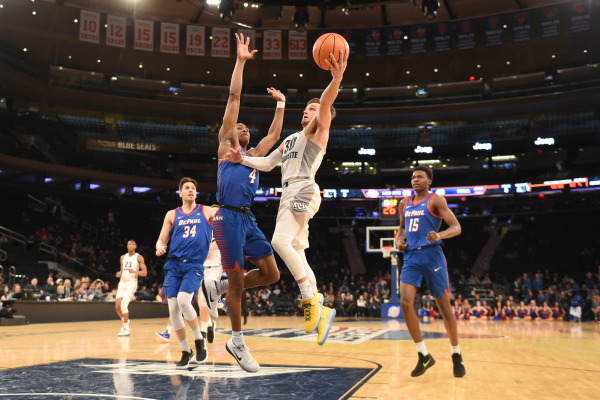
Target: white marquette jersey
x=301, y=158
x=213, y=258
x=130, y=264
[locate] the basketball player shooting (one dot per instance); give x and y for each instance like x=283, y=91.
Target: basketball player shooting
x=300, y=156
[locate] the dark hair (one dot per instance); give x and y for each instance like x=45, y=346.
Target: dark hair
x=132, y=240
x=185, y=180
x=425, y=169
x=318, y=101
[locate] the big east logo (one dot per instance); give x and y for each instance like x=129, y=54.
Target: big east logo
x=298, y=206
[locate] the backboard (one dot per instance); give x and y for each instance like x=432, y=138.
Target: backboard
x=378, y=237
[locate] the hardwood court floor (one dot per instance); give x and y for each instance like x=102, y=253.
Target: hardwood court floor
x=363, y=359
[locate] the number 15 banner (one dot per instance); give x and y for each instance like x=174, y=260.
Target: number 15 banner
x=271, y=45
x=169, y=38
x=297, y=45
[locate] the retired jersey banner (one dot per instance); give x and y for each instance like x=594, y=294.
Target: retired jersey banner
x=89, y=26
x=442, y=39
x=394, y=37
x=417, y=39
x=465, y=35
x=116, y=30
x=493, y=31
x=249, y=33
x=350, y=36
x=221, y=42
x=271, y=45
x=169, y=38
x=144, y=35
x=373, y=42
x=580, y=16
x=195, y=40
x=549, y=22
x=297, y=45
x=521, y=27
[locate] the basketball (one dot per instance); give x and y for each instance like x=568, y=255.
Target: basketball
x=329, y=43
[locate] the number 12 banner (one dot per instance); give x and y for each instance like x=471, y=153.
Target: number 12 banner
x=297, y=45
x=271, y=45
x=115, y=31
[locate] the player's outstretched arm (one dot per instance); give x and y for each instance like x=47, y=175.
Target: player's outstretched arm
x=227, y=137
x=265, y=164
x=401, y=237
x=275, y=130
x=163, y=237
x=440, y=207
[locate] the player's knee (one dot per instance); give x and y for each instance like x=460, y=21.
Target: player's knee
x=124, y=308
x=281, y=242
x=407, y=304
x=273, y=275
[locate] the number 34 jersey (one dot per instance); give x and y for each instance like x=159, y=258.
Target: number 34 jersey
x=236, y=184
x=190, y=235
x=419, y=220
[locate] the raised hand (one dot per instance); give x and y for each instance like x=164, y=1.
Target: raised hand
x=277, y=95
x=242, y=47
x=233, y=155
x=338, y=68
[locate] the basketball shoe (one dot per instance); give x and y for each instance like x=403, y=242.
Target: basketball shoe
x=211, y=295
x=124, y=331
x=324, y=326
x=187, y=357
x=312, y=312
x=166, y=336
x=242, y=356
x=210, y=332
x=201, y=350
x=459, y=366
x=424, y=362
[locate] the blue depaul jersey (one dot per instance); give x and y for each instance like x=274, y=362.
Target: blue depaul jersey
x=418, y=222
x=237, y=184
x=190, y=235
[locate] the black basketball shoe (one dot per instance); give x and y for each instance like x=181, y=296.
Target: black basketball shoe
x=210, y=332
x=187, y=357
x=201, y=350
x=459, y=366
x=424, y=362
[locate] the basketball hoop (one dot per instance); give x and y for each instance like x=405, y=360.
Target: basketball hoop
x=386, y=250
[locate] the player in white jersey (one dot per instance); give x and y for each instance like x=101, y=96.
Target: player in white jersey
x=212, y=271
x=132, y=266
x=300, y=156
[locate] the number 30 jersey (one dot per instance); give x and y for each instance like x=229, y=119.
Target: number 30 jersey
x=190, y=235
x=236, y=184
x=419, y=220
x=301, y=158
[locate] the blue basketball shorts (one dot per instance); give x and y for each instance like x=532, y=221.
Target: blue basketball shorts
x=182, y=277
x=238, y=238
x=427, y=262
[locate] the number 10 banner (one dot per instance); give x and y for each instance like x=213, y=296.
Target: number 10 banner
x=89, y=26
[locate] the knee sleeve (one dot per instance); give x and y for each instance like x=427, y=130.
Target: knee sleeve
x=283, y=246
x=175, y=313
x=312, y=279
x=184, y=300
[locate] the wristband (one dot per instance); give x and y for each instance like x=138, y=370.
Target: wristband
x=281, y=104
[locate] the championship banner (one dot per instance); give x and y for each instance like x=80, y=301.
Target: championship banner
x=195, y=43
x=465, y=35
x=169, y=38
x=373, y=42
x=115, y=31
x=521, y=27
x=417, y=39
x=251, y=33
x=144, y=35
x=580, y=16
x=549, y=22
x=89, y=26
x=221, y=42
x=271, y=45
x=493, y=31
x=297, y=44
x=442, y=40
x=394, y=37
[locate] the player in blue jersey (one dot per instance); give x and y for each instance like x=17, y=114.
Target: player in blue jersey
x=235, y=229
x=419, y=237
x=189, y=230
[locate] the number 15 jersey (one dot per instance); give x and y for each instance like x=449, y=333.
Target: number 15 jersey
x=419, y=220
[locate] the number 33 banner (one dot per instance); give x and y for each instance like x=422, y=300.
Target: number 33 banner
x=272, y=45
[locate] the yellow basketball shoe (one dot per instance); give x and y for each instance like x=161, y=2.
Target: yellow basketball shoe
x=328, y=314
x=312, y=312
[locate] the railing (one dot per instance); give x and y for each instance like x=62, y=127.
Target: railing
x=14, y=236
x=46, y=248
x=90, y=229
x=12, y=272
x=70, y=218
x=3, y=257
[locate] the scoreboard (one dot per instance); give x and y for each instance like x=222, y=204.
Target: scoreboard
x=388, y=208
